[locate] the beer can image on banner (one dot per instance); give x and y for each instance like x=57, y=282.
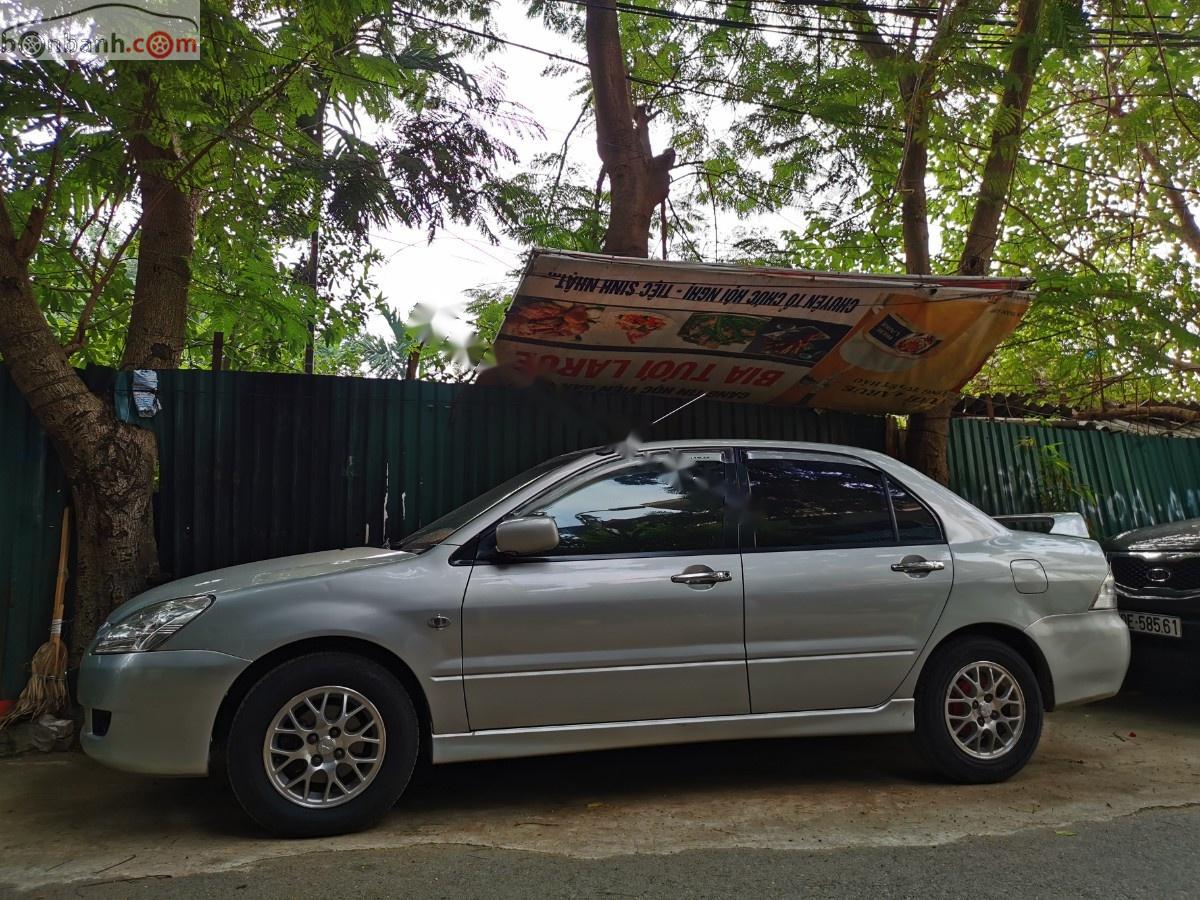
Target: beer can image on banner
x=903, y=330
x=908, y=352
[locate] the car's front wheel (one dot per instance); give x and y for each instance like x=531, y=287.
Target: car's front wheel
x=322, y=744
x=978, y=711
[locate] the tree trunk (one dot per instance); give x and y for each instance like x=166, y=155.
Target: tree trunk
x=1001, y=162
x=914, y=204
x=639, y=181
x=927, y=437
x=110, y=464
x=927, y=440
x=158, y=321
x=314, y=127
x=927, y=443
x=116, y=555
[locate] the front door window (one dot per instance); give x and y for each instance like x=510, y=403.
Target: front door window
x=662, y=506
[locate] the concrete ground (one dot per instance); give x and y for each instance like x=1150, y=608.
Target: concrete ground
x=687, y=819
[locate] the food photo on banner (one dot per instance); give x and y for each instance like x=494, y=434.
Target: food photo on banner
x=862, y=343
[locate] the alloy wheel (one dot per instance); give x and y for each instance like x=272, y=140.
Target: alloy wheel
x=985, y=710
x=324, y=746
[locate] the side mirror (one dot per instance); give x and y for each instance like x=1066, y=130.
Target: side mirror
x=527, y=536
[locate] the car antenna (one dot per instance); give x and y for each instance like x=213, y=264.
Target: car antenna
x=678, y=408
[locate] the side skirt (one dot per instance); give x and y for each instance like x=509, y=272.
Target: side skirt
x=895, y=716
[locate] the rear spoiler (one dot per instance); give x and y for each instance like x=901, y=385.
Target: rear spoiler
x=1072, y=524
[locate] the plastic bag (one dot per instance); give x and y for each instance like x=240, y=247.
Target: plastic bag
x=145, y=392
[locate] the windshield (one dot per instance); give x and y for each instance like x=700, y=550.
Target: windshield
x=442, y=527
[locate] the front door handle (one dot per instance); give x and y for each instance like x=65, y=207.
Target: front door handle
x=918, y=566
x=701, y=576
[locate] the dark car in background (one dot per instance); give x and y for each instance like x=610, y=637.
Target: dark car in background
x=1157, y=573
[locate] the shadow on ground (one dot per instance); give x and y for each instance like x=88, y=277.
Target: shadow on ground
x=66, y=818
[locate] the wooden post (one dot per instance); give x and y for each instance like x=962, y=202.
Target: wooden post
x=413, y=369
x=662, y=220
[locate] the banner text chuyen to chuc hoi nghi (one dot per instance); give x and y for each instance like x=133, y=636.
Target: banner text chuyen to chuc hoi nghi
x=861, y=343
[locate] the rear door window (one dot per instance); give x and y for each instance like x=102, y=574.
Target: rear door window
x=806, y=503
x=915, y=523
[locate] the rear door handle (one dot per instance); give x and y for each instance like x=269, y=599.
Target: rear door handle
x=918, y=566
x=708, y=577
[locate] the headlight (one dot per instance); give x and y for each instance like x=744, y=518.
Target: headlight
x=1106, y=598
x=147, y=628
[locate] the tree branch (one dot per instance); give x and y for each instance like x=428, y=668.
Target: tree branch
x=1188, y=229
x=1049, y=239
x=78, y=340
x=1180, y=365
x=562, y=157
x=996, y=181
x=238, y=121
x=638, y=180
x=6, y=225
x=870, y=38
x=1162, y=58
x=916, y=88
x=27, y=243
x=615, y=137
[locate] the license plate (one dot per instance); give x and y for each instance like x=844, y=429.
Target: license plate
x=1149, y=623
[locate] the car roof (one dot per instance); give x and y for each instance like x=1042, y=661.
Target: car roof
x=751, y=443
x=961, y=519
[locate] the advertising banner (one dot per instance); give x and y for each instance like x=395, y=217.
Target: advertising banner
x=860, y=343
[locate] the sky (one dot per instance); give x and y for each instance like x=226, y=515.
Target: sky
x=461, y=257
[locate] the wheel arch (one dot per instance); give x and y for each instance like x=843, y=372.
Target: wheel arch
x=1013, y=637
x=357, y=646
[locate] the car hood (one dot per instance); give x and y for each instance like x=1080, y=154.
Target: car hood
x=1173, y=536
x=268, y=571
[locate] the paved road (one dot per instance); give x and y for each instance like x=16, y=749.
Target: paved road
x=1149, y=854
x=836, y=816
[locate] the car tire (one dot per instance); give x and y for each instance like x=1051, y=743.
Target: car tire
x=954, y=696
x=271, y=742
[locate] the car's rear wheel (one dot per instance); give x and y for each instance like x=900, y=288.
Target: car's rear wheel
x=322, y=744
x=979, y=711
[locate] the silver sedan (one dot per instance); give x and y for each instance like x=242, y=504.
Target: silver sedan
x=684, y=591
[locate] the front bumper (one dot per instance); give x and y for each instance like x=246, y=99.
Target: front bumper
x=154, y=712
x=1170, y=662
x=1088, y=654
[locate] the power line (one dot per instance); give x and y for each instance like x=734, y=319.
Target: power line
x=570, y=60
x=762, y=104
x=971, y=37
x=792, y=8
x=678, y=88
x=775, y=107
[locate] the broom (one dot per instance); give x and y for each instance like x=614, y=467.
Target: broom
x=46, y=691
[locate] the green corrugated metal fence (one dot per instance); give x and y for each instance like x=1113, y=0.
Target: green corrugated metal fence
x=1135, y=480
x=258, y=465
x=255, y=465
x=33, y=492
